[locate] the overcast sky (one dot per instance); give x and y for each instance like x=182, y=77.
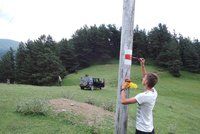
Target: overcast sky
x=28, y=19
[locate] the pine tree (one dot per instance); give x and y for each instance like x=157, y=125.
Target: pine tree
x=7, y=67
x=23, y=67
x=157, y=38
x=140, y=43
x=47, y=66
x=114, y=40
x=169, y=57
x=102, y=46
x=189, y=55
x=83, y=47
x=67, y=56
x=196, y=44
x=37, y=62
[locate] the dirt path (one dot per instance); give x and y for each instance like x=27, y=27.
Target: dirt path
x=90, y=112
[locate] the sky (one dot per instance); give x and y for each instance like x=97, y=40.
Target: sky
x=21, y=20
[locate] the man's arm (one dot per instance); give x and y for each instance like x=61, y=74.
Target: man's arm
x=126, y=101
x=143, y=69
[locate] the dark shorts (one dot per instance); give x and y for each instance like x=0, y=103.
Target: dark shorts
x=141, y=132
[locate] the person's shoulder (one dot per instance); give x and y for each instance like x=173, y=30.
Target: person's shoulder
x=141, y=94
x=154, y=90
x=154, y=94
x=149, y=93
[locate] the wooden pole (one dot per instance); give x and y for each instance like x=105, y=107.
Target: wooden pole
x=121, y=115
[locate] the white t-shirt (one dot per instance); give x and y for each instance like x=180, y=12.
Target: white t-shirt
x=144, y=116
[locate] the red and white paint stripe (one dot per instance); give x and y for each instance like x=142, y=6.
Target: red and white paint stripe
x=128, y=57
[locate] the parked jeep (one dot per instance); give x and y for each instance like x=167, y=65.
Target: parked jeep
x=91, y=83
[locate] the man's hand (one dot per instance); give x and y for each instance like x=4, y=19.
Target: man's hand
x=126, y=84
x=142, y=61
x=124, y=100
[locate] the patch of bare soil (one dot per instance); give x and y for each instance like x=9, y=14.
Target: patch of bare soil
x=90, y=112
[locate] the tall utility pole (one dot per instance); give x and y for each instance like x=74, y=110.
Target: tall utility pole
x=121, y=115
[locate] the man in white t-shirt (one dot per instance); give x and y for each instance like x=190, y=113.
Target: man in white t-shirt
x=145, y=100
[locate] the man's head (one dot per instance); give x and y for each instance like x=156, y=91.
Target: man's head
x=150, y=80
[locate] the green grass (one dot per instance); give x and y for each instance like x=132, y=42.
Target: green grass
x=177, y=108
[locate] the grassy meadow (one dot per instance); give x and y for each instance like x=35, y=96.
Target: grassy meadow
x=177, y=109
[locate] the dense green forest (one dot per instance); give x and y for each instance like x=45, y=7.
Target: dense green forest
x=41, y=61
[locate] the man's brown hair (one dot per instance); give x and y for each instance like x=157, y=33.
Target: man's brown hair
x=152, y=79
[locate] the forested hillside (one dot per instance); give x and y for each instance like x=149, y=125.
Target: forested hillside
x=41, y=61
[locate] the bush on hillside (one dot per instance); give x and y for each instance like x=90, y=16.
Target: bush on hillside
x=33, y=107
x=109, y=106
x=174, y=68
x=90, y=101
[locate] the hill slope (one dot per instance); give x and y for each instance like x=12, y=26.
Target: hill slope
x=5, y=45
x=177, y=108
x=176, y=111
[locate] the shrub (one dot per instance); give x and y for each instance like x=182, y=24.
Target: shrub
x=70, y=118
x=94, y=128
x=90, y=101
x=68, y=96
x=109, y=106
x=33, y=107
x=174, y=68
